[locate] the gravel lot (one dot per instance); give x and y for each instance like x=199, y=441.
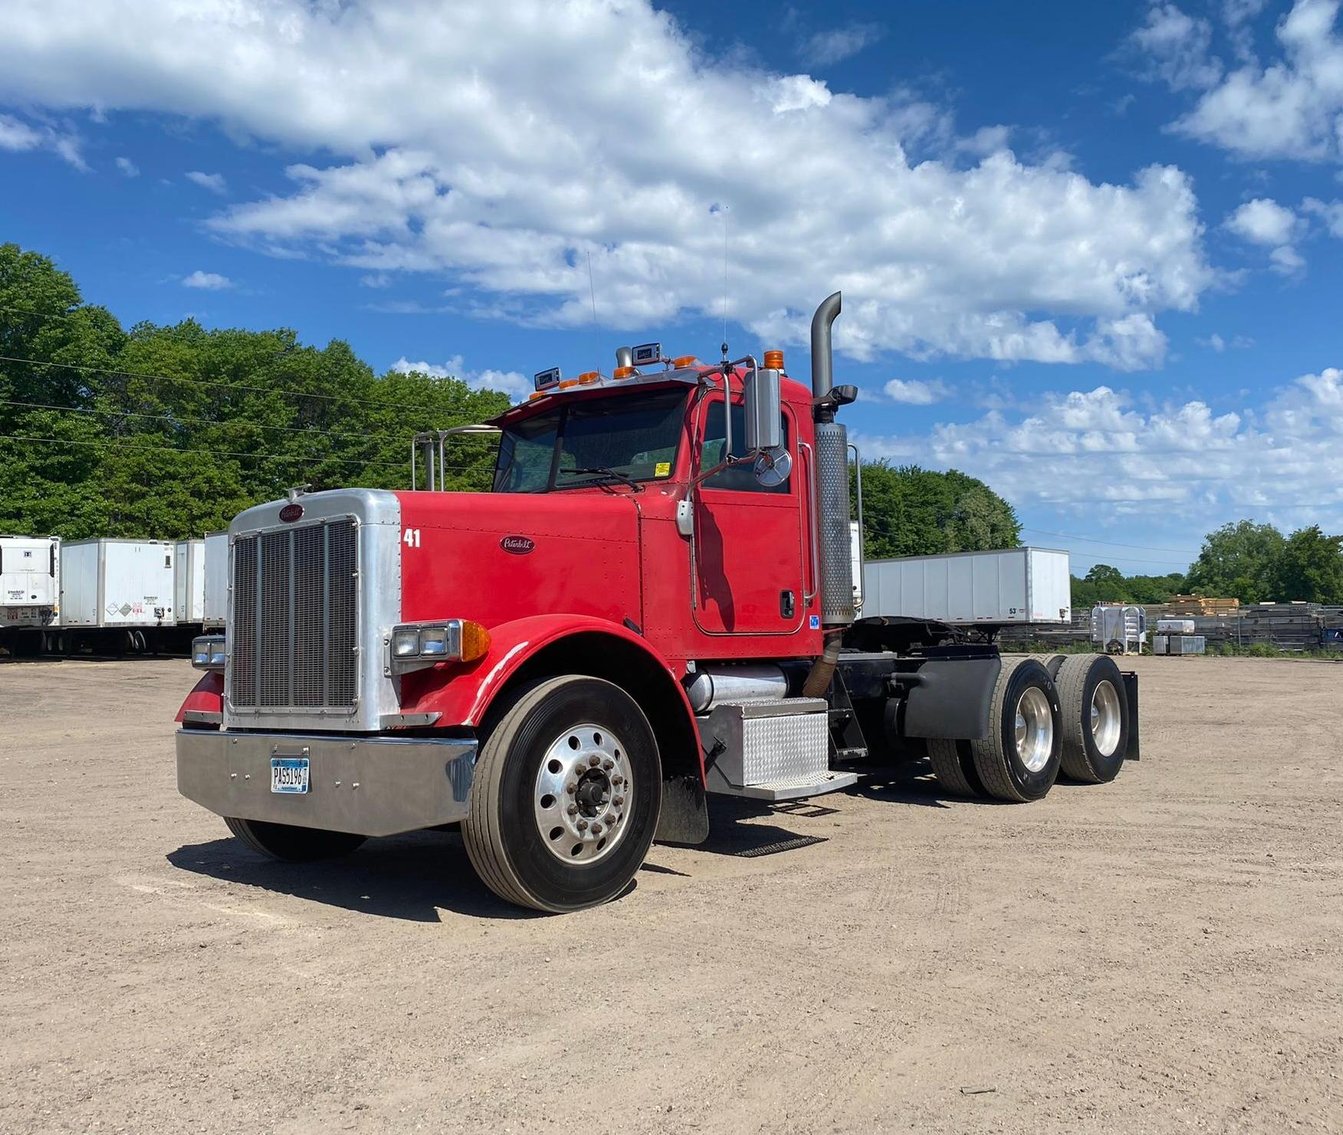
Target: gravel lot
x=1160, y=954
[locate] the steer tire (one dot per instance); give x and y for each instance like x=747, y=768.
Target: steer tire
x=1095, y=711
x=293, y=844
x=954, y=766
x=518, y=832
x=1013, y=767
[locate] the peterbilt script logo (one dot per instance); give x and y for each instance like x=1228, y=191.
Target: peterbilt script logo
x=518, y=545
x=291, y=512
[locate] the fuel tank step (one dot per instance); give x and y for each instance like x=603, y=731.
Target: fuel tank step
x=770, y=750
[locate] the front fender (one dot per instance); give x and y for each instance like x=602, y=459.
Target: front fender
x=206, y=697
x=462, y=695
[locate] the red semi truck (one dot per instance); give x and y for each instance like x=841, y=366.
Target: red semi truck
x=655, y=602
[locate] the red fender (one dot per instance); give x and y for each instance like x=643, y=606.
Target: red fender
x=207, y=696
x=466, y=697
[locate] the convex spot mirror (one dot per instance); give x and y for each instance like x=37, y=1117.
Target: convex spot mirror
x=764, y=426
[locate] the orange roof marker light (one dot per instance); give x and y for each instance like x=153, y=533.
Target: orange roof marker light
x=774, y=360
x=683, y=361
x=567, y=383
x=588, y=377
x=623, y=372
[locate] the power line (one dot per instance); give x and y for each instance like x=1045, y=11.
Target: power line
x=220, y=452
x=200, y=421
x=206, y=382
x=1109, y=543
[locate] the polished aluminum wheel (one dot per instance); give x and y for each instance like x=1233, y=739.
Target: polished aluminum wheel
x=1034, y=729
x=1106, y=718
x=582, y=794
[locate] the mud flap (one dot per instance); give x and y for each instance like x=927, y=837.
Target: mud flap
x=1132, y=753
x=685, y=814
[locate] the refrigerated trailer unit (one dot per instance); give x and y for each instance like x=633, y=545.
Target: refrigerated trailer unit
x=118, y=583
x=30, y=581
x=215, y=606
x=189, y=582
x=998, y=589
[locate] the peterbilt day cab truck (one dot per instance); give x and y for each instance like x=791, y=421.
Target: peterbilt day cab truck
x=655, y=602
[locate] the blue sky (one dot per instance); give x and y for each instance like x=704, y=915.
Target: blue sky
x=1089, y=252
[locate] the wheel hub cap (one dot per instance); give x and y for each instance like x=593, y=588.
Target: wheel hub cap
x=1034, y=729
x=582, y=794
x=1105, y=718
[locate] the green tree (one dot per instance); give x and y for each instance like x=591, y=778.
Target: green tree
x=1310, y=567
x=910, y=511
x=1239, y=560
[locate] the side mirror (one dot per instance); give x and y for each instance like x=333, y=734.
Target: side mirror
x=764, y=407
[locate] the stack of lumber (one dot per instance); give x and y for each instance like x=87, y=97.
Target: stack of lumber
x=1193, y=607
x=1288, y=626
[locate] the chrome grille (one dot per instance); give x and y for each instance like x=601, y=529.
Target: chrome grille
x=294, y=633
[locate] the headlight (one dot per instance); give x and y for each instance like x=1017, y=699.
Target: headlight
x=414, y=646
x=207, y=652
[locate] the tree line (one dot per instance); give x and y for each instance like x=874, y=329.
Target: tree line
x=1255, y=563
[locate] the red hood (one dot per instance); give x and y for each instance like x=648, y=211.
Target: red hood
x=495, y=557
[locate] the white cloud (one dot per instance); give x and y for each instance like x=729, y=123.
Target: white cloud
x=509, y=382
x=209, y=281
x=1266, y=223
x=1219, y=344
x=1177, y=47
x=214, y=182
x=826, y=48
x=1330, y=212
x=916, y=391
x=533, y=149
x=376, y=280
x=127, y=167
x=1083, y=451
x=1290, y=107
x=18, y=136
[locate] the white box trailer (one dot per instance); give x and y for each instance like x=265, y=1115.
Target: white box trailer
x=189, y=582
x=215, y=607
x=1003, y=588
x=30, y=581
x=118, y=583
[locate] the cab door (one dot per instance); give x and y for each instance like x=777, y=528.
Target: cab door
x=748, y=562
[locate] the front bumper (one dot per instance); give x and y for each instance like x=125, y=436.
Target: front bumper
x=366, y=785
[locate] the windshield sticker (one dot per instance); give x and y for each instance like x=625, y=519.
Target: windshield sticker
x=662, y=469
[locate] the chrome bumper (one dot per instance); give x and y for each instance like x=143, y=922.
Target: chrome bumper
x=366, y=785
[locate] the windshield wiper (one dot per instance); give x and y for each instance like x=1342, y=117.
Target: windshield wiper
x=606, y=471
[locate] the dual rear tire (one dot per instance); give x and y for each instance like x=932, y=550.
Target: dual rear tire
x=1068, y=715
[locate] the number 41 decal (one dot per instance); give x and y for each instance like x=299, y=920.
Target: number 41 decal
x=412, y=538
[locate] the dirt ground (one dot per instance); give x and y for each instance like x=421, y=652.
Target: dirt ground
x=1159, y=954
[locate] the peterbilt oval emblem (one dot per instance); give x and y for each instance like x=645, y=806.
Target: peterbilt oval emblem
x=291, y=512
x=518, y=545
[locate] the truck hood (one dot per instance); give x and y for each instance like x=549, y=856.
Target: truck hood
x=496, y=557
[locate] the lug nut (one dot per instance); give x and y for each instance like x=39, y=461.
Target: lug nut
x=608, y=765
x=582, y=825
x=594, y=760
x=571, y=788
x=573, y=809
x=617, y=781
x=619, y=801
x=596, y=829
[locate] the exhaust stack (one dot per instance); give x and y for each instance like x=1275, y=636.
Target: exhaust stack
x=832, y=477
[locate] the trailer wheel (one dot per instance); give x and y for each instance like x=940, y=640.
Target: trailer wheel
x=565, y=797
x=1019, y=760
x=954, y=766
x=295, y=844
x=1095, y=718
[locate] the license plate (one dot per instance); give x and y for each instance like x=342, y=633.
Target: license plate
x=289, y=774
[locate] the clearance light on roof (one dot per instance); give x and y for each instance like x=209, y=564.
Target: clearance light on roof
x=623, y=372
x=683, y=361
x=589, y=377
x=568, y=382
x=774, y=360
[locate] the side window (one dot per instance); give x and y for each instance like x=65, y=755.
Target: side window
x=738, y=478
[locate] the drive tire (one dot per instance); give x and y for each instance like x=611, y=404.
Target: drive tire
x=510, y=846
x=293, y=844
x=1095, y=711
x=954, y=766
x=1019, y=760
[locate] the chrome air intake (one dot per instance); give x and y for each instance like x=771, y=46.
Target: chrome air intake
x=832, y=479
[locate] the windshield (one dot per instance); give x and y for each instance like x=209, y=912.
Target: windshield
x=593, y=441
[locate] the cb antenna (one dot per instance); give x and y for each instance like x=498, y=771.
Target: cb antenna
x=722, y=211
